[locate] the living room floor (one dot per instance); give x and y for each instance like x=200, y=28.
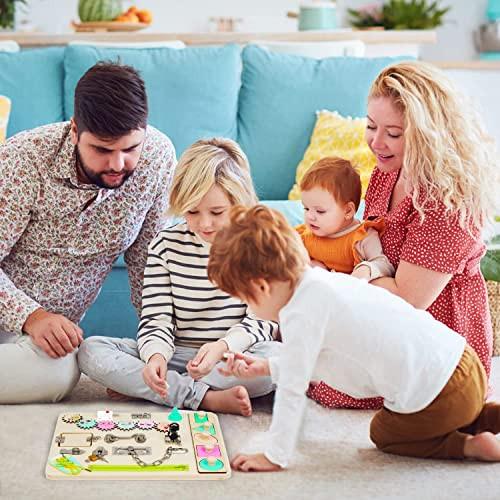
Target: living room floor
x=335, y=459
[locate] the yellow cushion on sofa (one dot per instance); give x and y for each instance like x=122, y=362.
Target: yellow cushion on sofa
x=4, y=116
x=335, y=135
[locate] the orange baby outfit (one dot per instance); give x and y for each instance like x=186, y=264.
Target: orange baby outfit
x=338, y=253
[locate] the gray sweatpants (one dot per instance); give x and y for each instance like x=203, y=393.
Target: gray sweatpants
x=115, y=363
x=28, y=375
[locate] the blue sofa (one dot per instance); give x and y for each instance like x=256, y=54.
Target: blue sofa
x=266, y=101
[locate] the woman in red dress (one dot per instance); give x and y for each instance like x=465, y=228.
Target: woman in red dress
x=435, y=183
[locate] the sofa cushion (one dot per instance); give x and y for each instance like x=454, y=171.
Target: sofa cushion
x=336, y=135
x=193, y=93
x=279, y=97
x=33, y=80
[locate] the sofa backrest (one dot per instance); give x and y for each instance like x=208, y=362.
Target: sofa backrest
x=192, y=93
x=33, y=81
x=267, y=101
x=279, y=97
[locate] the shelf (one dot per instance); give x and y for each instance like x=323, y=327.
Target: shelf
x=369, y=37
x=470, y=65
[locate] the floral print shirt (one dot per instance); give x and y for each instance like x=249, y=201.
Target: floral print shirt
x=58, y=237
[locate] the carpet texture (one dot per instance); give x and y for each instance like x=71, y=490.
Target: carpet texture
x=335, y=459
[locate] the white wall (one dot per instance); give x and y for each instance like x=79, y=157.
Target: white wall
x=455, y=38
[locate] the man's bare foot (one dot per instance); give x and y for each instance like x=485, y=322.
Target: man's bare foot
x=235, y=400
x=118, y=396
x=484, y=446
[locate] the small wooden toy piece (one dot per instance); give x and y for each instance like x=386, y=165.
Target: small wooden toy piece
x=200, y=417
x=106, y=425
x=67, y=465
x=175, y=415
x=72, y=419
x=146, y=425
x=125, y=425
x=104, y=415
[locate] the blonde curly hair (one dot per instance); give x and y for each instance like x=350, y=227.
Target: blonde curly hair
x=448, y=154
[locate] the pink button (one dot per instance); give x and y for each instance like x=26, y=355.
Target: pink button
x=208, y=450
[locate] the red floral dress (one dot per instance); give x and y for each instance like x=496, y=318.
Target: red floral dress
x=440, y=244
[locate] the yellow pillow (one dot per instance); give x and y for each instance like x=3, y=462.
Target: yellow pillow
x=335, y=135
x=4, y=116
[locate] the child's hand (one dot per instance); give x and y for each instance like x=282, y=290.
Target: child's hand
x=243, y=366
x=317, y=263
x=254, y=463
x=362, y=272
x=154, y=375
x=206, y=358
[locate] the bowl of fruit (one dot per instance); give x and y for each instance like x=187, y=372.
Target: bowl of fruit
x=108, y=15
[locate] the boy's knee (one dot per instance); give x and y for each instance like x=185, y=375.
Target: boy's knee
x=379, y=437
x=87, y=353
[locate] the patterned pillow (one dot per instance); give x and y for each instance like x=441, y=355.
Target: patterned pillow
x=335, y=135
x=4, y=116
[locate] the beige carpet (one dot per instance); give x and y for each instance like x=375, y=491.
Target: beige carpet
x=335, y=460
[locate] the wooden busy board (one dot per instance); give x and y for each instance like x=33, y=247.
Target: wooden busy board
x=108, y=445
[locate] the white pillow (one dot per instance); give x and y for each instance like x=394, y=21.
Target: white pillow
x=172, y=44
x=316, y=50
x=9, y=46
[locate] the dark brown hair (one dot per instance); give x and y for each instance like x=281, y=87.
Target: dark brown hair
x=337, y=176
x=110, y=101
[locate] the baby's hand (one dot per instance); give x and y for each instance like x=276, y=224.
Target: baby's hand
x=243, y=366
x=362, y=272
x=254, y=463
x=154, y=375
x=206, y=358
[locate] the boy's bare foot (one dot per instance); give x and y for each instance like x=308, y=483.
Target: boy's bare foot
x=484, y=446
x=235, y=400
x=118, y=396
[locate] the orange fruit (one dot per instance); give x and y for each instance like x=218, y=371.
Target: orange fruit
x=145, y=16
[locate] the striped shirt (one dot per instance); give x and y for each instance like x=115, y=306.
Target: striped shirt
x=182, y=307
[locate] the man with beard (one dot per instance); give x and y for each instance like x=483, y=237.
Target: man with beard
x=73, y=197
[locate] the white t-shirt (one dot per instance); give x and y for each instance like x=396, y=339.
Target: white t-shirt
x=360, y=339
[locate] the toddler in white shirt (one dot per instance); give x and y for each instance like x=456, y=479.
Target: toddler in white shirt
x=360, y=339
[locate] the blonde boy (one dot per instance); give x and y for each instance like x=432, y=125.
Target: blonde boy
x=360, y=339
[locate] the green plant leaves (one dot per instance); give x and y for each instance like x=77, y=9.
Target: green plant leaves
x=401, y=15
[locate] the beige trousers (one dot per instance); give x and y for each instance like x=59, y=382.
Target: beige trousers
x=28, y=375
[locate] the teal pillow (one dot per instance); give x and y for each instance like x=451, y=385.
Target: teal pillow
x=33, y=81
x=192, y=92
x=279, y=97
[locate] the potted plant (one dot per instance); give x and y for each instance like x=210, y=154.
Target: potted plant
x=399, y=15
x=8, y=13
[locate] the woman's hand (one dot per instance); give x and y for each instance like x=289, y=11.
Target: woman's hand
x=254, y=463
x=206, y=358
x=154, y=375
x=243, y=366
